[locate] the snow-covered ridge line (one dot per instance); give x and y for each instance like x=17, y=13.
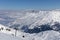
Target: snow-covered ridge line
x=33, y=19
x=9, y=31
x=42, y=17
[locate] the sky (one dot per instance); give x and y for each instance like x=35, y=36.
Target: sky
x=29, y=4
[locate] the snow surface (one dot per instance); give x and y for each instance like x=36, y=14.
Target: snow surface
x=32, y=19
x=48, y=35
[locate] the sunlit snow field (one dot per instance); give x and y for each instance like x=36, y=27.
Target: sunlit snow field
x=30, y=25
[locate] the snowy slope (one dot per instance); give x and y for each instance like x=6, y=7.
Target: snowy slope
x=48, y=35
x=29, y=17
x=10, y=35
x=32, y=19
x=4, y=36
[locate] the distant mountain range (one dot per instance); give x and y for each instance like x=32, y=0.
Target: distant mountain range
x=27, y=22
x=31, y=18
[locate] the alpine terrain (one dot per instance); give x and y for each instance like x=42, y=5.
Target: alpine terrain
x=30, y=25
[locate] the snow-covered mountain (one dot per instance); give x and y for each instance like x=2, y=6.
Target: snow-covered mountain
x=35, y=19
x=30, y=25
x=9, y=34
